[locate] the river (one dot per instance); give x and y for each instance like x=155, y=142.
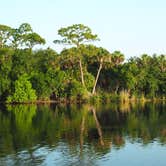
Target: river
x=123, y=134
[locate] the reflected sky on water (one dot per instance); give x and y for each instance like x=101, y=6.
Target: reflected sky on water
x=109, y=134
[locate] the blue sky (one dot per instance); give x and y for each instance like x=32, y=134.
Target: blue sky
x=131, y=26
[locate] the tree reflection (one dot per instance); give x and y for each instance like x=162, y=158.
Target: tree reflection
x=99, y=127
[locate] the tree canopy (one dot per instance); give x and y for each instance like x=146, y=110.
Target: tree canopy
x=75, y=35
x=76, y=73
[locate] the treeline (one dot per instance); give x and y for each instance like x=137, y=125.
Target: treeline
x=76, y=73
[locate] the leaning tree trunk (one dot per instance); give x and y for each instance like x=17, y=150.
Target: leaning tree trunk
x=82, y=74
x=97, y=77
x=98, y=127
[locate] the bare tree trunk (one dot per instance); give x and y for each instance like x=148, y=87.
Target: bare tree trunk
x=98, y=127
x=97, y=77
x=82, y=74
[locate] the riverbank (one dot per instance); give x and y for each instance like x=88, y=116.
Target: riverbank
x=97, y=98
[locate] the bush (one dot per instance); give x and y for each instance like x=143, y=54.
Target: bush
x=75, y=90
x=23, y=91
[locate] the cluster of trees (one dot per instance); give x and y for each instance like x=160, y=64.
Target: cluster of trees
x=77, y=72
x=20, y=37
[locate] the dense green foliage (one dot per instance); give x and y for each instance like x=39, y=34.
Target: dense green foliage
x=75, y=73
x=23, y=91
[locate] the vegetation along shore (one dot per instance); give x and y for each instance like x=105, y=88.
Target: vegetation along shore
x=80, y=72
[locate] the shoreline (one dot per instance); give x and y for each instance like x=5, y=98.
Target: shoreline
x=84, y=101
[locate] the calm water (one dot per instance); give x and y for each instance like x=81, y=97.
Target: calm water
x=113, y=134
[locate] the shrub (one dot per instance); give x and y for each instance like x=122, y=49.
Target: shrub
x=75, y=89
x=23, y=91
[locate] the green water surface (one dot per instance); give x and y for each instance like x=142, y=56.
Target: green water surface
x=106, y=134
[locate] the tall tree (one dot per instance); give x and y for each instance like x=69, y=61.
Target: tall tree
x=5, y=33
x=102, y=57
x=18, y=34
x=32, y=39
x=106, y=59
x=117, y=57
x=76, y=35
x=25, y=37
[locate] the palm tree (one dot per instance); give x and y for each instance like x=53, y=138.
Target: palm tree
x=117, y=57
x=102, y=57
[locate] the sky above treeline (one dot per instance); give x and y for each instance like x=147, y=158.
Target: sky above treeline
x=132, y=26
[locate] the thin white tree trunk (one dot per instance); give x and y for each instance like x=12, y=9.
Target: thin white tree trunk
x=82, y=74
x=97, y=77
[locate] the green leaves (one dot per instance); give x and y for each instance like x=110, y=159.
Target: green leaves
x=23, y=91
x=74, y=71
x=5, y=34
x=32, y=39
x=20, y=37
x=75, y=35
x=25, y=28
x=117, y=57
x=5, y=70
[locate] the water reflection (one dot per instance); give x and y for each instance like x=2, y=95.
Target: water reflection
x=86, y=134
